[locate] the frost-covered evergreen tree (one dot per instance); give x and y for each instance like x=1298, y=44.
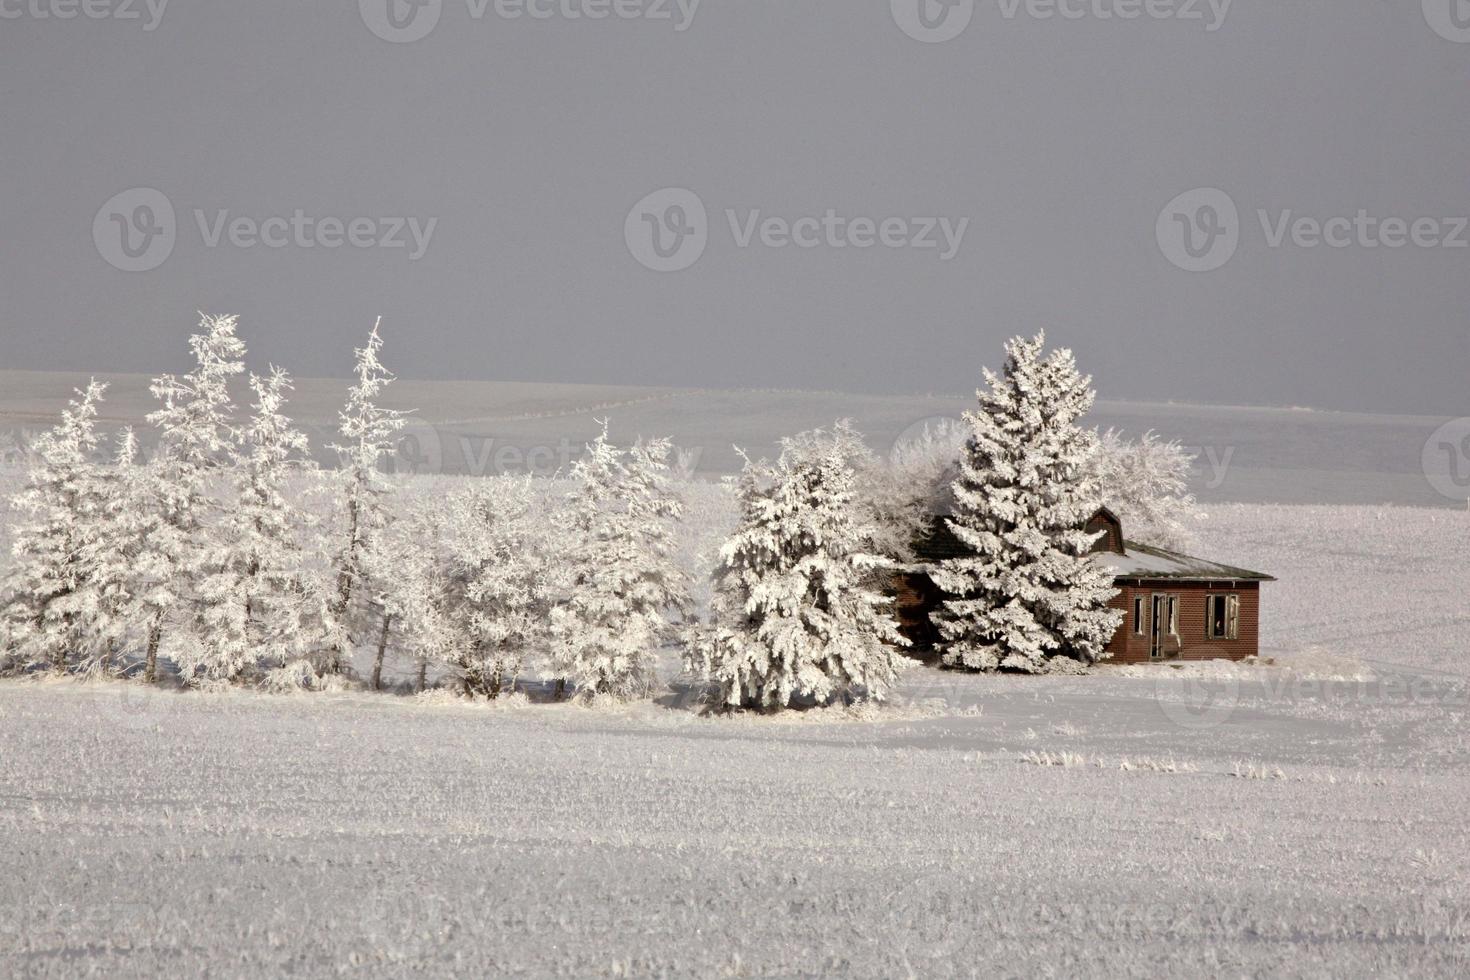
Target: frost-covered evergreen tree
x=117, y=557
x=1026, y=488
x=369, y=437
x=799, y=611
x=258, y=608
x=499, y=586
x=53, y=590
x=624, y=583
x=1146, y=484
x=196, y=438
x=140, y=578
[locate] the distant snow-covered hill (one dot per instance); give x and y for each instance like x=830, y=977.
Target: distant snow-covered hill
x=1275, y=455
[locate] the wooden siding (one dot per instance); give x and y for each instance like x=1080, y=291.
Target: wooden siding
x=1130, y=647
x=917, y=596
x=1103, y=522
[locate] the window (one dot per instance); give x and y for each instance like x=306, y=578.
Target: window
x=1173, y=615
x=1222, y=617
x=1140, y=616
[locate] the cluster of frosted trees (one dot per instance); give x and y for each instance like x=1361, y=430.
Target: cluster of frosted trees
x=229, y=558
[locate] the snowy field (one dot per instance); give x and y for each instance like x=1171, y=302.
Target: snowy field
x=1302, y=819
x=1274, y=455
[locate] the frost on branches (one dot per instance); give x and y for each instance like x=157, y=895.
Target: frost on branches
x=799, y=613
x=624, y=582
x=498, y=585
x=404, y=567
x=1146, y=484
x=54, y=597
x=369, y=436
x=196, y=438
x=262, y=608
x=1028, y=592
x=904, y=492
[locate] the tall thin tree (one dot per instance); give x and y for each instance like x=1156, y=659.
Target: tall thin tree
x=369, y=436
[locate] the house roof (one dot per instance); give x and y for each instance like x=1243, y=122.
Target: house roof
x=1142, y=561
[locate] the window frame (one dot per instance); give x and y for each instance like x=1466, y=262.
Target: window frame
x=1229, y=616
x=1140, y=615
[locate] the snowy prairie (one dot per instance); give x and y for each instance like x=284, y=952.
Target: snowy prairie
x=1301, y=818
x=1249, y=454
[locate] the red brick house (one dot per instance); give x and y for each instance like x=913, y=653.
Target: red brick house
x=1175, y=607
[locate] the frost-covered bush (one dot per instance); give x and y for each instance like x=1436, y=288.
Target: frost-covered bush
x=1027, y=592
x=625, y=591
x=407, y=567
x=1146, y=484
x=799, y=612
x=499, y=584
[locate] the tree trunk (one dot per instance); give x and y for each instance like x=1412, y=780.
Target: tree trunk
x=561, y=688
x=382, y=649
x=150, y=664
x=423, y=674
x=345, y=582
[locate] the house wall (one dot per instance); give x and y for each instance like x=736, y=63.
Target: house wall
x=1128, y=646
x=916, y=596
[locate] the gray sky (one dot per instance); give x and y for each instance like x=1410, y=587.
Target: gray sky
x=530, y=140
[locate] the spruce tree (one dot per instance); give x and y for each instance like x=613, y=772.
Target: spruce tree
x=625, y=588
x=117, y=555
x=369, y=436
x=799, y=611
x=1027, y=592
x=256, y=603
x=195, y=441
x=52, y=588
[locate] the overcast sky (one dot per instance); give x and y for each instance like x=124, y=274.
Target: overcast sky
x=521, y=151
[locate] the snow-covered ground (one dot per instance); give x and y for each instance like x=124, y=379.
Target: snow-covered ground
x=1276, y=455
x=1306, y=818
